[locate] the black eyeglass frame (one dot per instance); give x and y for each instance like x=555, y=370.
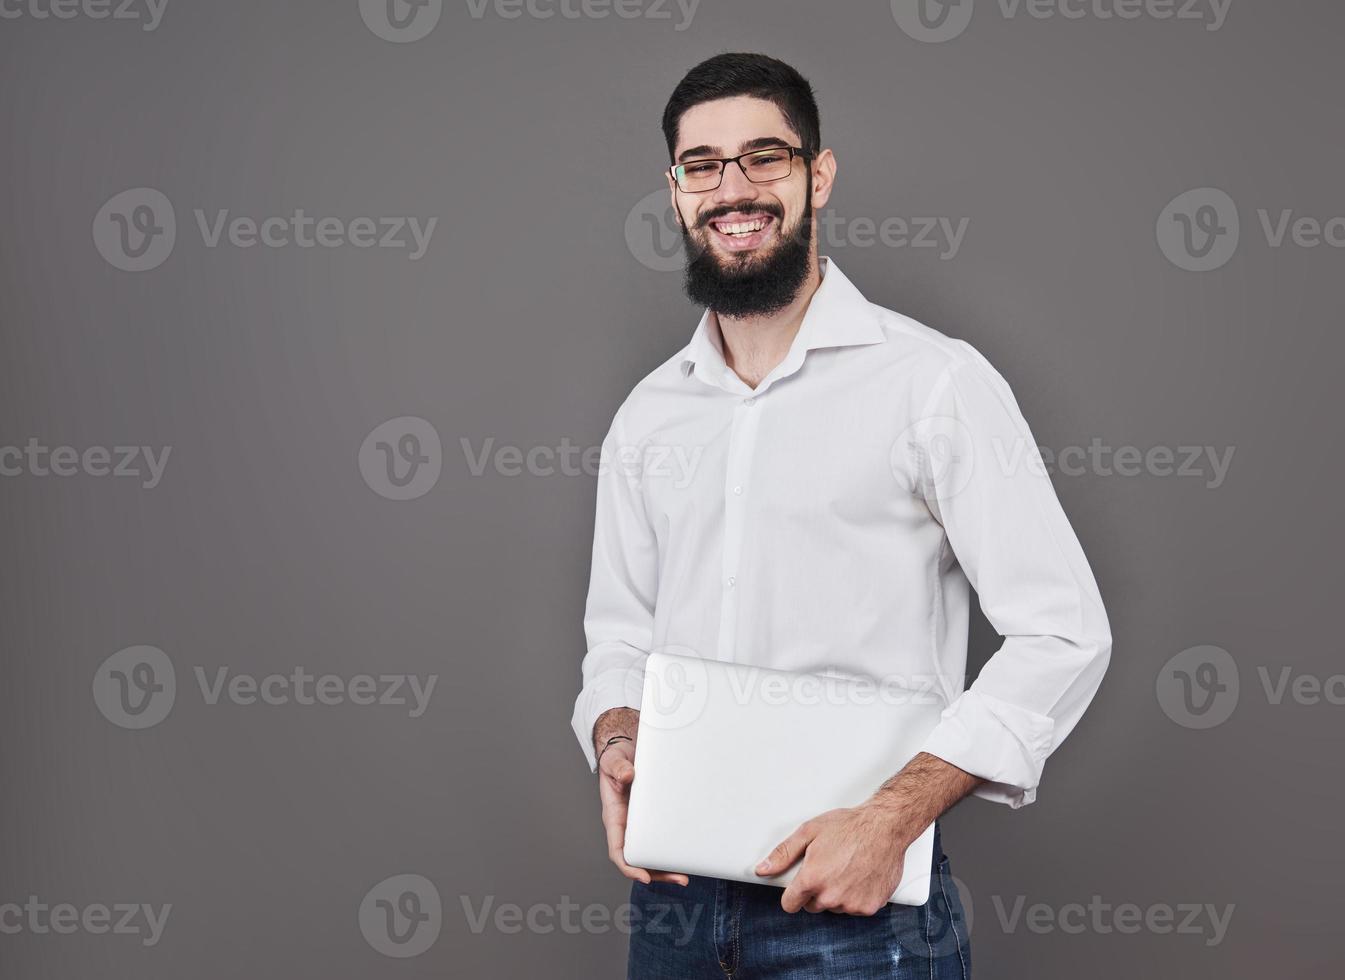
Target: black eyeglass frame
x=793, y=151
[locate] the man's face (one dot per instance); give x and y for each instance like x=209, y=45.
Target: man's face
x=716, y=220
x=749, y=244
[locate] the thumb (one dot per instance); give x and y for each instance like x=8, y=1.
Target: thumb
x=622, y=771
x=786, y=852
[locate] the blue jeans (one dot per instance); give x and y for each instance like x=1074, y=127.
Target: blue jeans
x=728, y=930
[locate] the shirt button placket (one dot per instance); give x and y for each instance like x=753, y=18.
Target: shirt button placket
x=737, y=485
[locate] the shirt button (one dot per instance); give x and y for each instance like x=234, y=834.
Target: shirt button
x=732, y=581
x=738, y=491
x=749, y=401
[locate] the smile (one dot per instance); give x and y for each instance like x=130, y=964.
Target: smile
x=741, y=232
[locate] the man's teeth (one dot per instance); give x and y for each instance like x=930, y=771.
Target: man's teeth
x=741, y=227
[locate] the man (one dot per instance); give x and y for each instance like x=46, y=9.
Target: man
x=848, y=487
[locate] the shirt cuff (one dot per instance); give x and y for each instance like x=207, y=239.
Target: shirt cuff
x=613, y=689
x=1000, y=742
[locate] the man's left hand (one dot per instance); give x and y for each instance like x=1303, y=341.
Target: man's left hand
x=852, y=860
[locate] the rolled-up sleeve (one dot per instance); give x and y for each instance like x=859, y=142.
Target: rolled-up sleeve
x=985, y=482
x=623, y=583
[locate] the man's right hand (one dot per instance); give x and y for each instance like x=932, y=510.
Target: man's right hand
x=616, y=772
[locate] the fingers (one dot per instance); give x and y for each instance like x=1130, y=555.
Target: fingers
x=816, y=898
x=618, y=768
x=621, y=773
x=670, y=877
x=799, y=894
x=614, y=823
x=787, y=851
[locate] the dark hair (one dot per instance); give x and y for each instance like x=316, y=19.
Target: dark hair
x=757, y=75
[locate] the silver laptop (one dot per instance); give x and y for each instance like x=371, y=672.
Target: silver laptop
x=731, y=758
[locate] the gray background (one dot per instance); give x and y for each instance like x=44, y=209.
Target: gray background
x=527, y=321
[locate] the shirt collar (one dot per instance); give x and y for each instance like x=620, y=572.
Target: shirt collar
x=837, y=316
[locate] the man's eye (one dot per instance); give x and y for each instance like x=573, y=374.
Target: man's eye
x=700, y=169
x=769, y=160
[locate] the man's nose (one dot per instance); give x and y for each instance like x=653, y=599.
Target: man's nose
x=735, y=186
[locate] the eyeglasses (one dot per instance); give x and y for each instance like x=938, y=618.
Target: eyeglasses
x=759, y=166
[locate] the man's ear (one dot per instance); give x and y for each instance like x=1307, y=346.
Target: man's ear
x=823, y=176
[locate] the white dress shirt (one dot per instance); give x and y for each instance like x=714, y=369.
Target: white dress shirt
x=833, y=520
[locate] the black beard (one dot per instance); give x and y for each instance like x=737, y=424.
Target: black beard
x=759, y=288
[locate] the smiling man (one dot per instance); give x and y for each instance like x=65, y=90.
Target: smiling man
x=848, y=495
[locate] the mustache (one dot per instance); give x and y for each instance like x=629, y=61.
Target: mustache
x=775, y=211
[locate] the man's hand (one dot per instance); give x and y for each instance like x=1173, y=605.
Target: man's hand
x=616, y=772
x=853, y=858
x=852, y=863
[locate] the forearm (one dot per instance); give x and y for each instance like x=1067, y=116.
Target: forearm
x=614, y=721
x=925, y=789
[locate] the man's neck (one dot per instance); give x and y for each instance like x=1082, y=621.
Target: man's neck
x=753, y=346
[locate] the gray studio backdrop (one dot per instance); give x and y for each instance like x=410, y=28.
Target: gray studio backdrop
x=311, y=310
